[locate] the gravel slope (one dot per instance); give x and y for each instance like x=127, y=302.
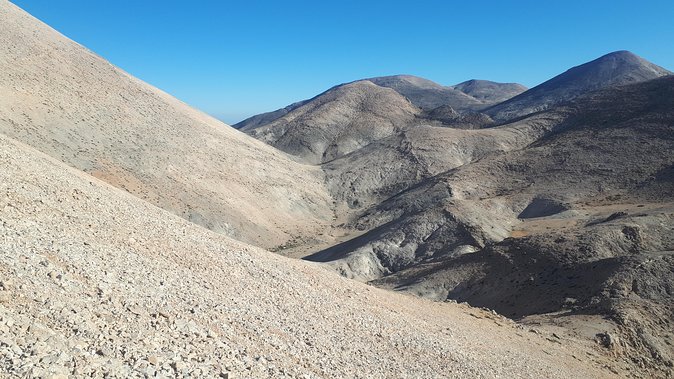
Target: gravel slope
x=62, y=99
x=95, y=281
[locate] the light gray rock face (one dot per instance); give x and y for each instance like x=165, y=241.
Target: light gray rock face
x=614, y=69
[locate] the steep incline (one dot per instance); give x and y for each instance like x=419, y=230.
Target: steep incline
x=63, y=100
x=614, y=69
x=119, y=287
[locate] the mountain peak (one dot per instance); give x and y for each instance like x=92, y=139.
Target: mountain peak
x=623, y=57
x=616, y=64
x=472, y=95
x=620, y=53
x=613, y=69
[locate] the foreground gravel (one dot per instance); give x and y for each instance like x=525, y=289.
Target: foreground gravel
x=97, y=283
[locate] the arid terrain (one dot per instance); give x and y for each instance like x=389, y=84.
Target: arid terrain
x=62, y=99
x=389, y=227
x=553, y=207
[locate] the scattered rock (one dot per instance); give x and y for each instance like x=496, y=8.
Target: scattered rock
x=607, y=340
x=153, y=359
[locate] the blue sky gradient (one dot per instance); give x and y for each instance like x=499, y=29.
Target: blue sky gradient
x=234, y=59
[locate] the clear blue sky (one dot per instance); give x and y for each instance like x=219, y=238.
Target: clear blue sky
x=234, y=59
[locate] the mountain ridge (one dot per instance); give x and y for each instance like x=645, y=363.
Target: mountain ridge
x=423, y=93
x=62, y=99
x=616, y=68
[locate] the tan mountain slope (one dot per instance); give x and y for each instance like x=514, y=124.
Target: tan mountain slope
x=337, y=122
x=69, y=103
x=97, y=282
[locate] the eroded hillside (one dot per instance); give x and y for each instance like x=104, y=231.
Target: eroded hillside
x=120, y=207
x=62, y=99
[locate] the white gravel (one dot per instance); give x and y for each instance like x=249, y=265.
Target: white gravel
x=97, y=282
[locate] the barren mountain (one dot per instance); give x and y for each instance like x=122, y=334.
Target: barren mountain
x=339, y=121
x=617, y=68
x=95, y=282
x=350, y=116
x=573, y=213
x=559, y=217
x=427, y=94
x=490, y=92
x=564, y=156
x=433, y=205
x=468, y=96
x=69, y=103
x=472, y=95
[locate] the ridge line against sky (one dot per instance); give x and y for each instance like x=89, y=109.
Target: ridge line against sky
x=235, y=59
